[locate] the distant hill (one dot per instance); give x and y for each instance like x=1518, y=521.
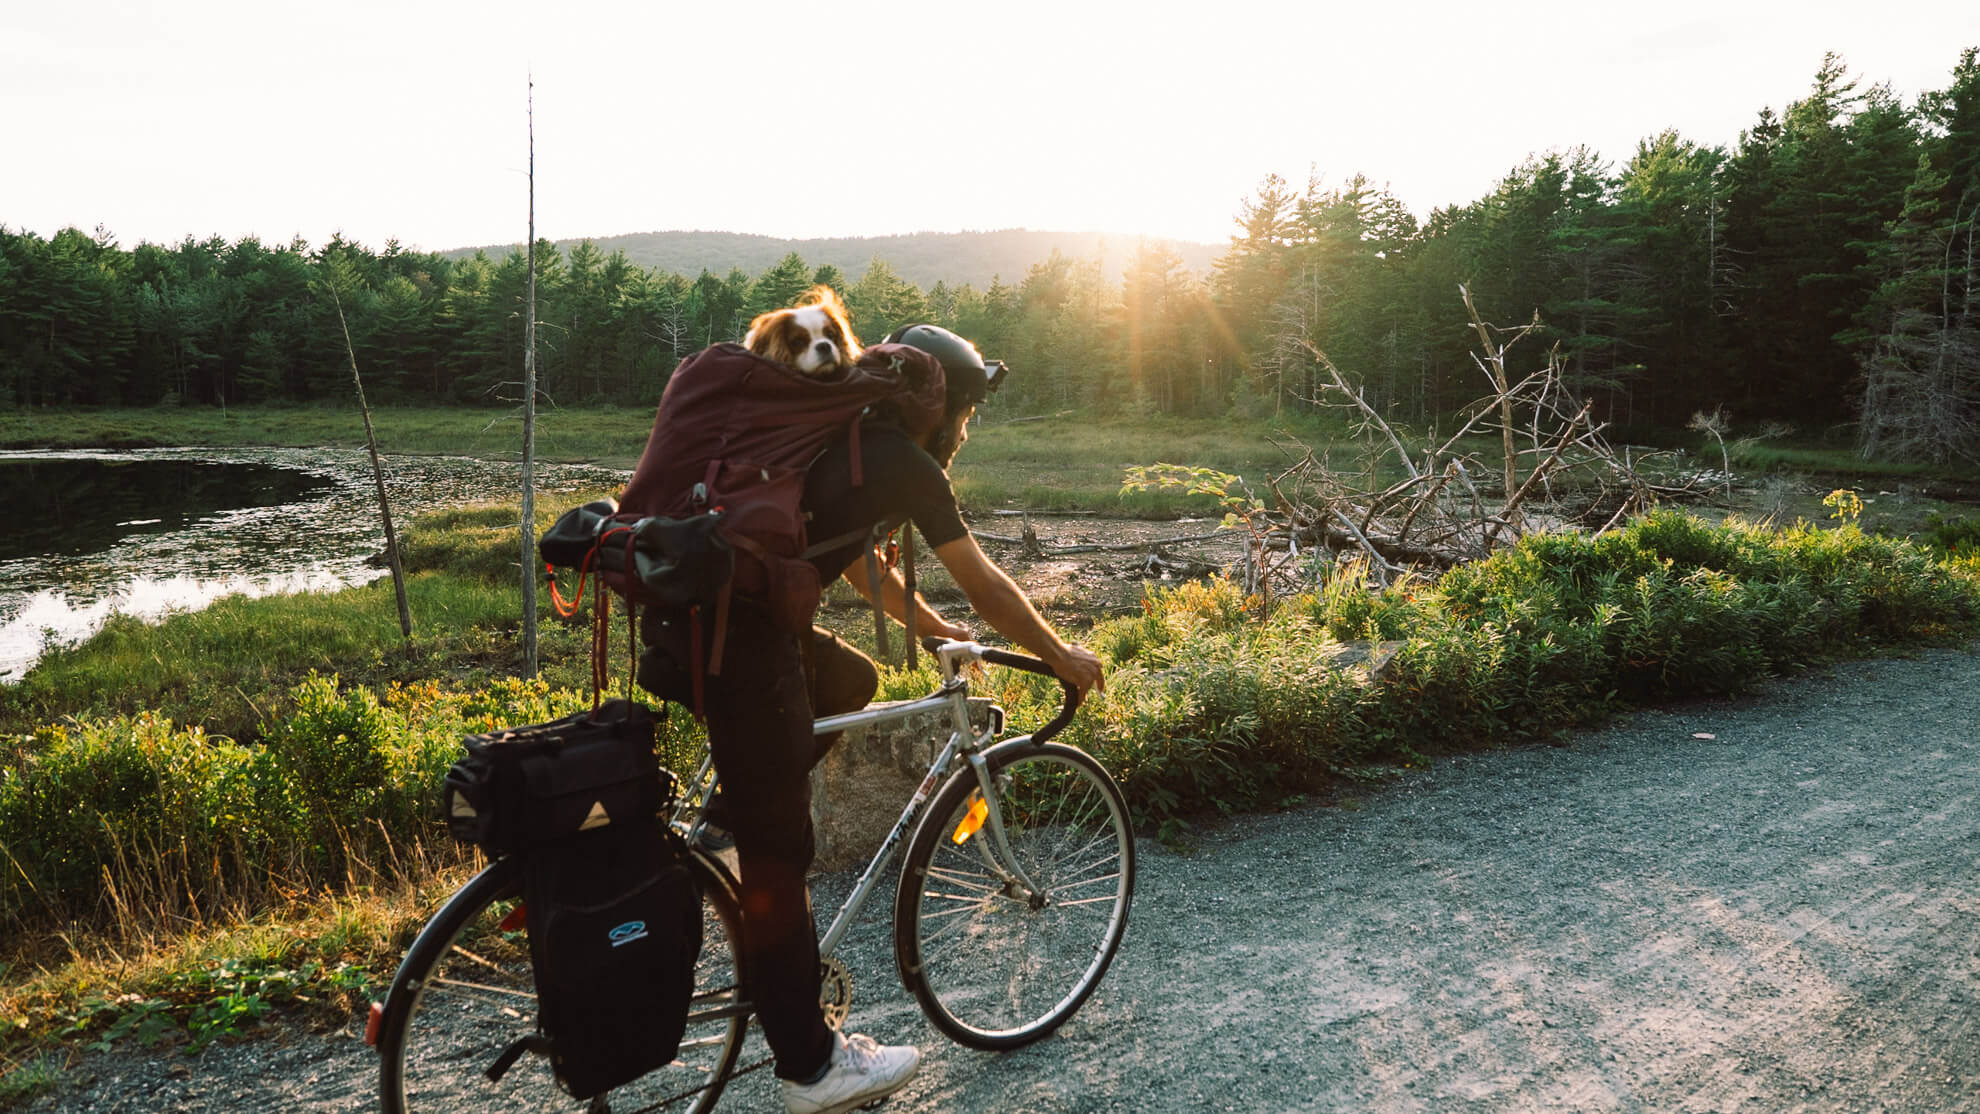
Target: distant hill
x=922, y=258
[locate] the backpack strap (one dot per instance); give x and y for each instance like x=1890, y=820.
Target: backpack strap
x=819, y=549
x=694, y=662
x=907, y=607
x=721, y=631
x=879, y=612
x=852, y=450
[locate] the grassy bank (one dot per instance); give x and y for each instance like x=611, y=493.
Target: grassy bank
x=606, y=434
x=200, y=829
x=1068, y=462
x=1072, y=462
x=212, y=879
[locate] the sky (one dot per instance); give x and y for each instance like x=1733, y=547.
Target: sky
x=409, y=119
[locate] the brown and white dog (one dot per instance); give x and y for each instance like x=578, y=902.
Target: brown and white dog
x=815, y=336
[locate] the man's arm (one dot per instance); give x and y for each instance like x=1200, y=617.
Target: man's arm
x=997, y=599
x=893, y=600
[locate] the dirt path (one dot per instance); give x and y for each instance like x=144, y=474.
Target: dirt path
x=1783, y=917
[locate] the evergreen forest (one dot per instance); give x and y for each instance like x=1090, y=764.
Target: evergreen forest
x=1823, y=272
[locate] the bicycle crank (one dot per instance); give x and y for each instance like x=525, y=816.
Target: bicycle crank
x=835, y=992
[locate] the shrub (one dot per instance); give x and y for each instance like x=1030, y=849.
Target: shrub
x=1210, y=709
x=133, y=818
x=1952, y=536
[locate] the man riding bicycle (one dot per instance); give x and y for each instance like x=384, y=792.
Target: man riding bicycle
x=759, y=712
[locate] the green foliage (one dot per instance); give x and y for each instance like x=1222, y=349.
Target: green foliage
x=199, y=1005
x=20, y=1082
x=1806, y=273
x=1953, y=536
x=101, y=817
x=1209, y=708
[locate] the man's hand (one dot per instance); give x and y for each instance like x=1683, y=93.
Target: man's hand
x=997, y=600
x=942, y=628
x=1080, y=668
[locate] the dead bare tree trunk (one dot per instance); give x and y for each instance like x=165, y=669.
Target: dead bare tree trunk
x=1494, y=366
x=377, y=471
x=529, y=419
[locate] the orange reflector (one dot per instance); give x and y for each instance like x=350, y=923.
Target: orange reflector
x=517, y=919
x=372, y=1022
x=978, y=810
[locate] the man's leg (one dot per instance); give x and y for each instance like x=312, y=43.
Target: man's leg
x=759, y=725
x=842, y=680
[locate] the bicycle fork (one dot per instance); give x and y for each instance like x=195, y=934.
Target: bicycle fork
x=998, y=856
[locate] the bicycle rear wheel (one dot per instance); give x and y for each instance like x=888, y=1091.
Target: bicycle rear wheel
x=464, y=993
x=992, y=965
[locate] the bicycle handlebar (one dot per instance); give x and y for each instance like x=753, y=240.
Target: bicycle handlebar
x=1026, y=662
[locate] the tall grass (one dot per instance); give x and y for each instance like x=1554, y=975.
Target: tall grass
x=130, y=820
x=1077, y=462
x=1212, y=709
x=224, y=666
x=610, y=434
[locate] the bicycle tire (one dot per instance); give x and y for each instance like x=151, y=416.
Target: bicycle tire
x=464, y=993
x=981, y=959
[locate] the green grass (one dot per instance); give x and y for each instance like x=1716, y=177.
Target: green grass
x=1079, y=463
x=1066, y=463
x=224, y=667
x=23, y=1080
x=613, y=435
x=1832, y=460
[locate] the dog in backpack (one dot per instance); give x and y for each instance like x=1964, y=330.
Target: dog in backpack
x=814, y=337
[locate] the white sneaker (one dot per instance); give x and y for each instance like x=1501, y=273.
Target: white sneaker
x=862, y=1070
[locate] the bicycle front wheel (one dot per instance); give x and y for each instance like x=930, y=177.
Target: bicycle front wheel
x=464, y=993
x=1001, y=950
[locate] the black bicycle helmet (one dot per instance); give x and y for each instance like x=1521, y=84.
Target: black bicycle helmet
x=969, y=376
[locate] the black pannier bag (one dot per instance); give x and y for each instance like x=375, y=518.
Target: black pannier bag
x=529, y=787
x=614, y=931
x=613, y=915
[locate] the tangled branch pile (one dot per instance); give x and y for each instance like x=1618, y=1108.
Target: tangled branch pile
x=1404, y=503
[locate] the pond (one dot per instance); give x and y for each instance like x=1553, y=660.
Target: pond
x=144, y=533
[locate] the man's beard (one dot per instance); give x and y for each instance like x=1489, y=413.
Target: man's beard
x=944, y=445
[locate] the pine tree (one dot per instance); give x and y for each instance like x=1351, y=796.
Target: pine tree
x=1921, y=395
x=780, y=285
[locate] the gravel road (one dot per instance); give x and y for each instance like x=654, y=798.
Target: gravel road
x=1770, y=905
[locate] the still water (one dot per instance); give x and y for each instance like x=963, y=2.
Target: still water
x=91, y=534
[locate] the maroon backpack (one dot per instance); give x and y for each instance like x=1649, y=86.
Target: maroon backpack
x=733, y=438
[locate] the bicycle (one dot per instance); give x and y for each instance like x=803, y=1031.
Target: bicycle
x=1012, y=900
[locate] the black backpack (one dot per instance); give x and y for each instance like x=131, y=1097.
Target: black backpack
x=613, y=912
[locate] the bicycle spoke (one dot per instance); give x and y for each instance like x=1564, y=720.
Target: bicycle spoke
x=484, y=990
x=1009, y=940
x=477, y=996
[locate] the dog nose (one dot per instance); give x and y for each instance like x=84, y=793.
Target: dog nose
x=825, y=348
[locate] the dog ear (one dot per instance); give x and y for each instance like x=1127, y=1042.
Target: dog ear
x=758, y=336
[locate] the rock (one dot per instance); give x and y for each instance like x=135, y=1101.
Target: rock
x=1369, y=659
x=862, y=786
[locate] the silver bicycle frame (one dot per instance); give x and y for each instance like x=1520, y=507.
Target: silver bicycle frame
x=963, y=740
